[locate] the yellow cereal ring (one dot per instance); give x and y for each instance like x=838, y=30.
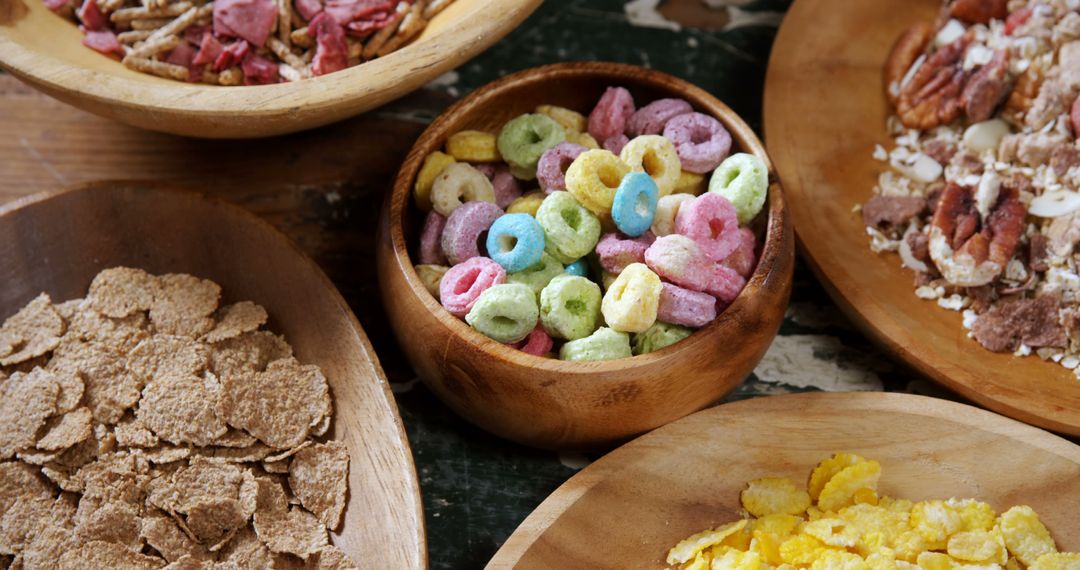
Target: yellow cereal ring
x=571, y=121
x=631, y=303
x=458, y=183
x=584, y=139
x=433, y=166
x=593, y=178
x=473, y=146
x=657, y=157
x=527, y=204
x=690, y=183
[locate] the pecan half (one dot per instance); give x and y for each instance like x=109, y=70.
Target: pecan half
x=1022, y=96
x=966, y=255
x=986, y=88
x=980, y=11
x=905, y=51
x=933, y=96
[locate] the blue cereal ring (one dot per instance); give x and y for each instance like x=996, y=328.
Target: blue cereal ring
x=635, y=204
x=579, y=268
x=516, y=242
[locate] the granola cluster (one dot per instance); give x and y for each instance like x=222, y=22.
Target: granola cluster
x=980, y=199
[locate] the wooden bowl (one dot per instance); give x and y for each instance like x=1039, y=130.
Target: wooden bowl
x=57, y=242
x=46, y=51
x=560, y=405
x=825, y=110
x=686, y=477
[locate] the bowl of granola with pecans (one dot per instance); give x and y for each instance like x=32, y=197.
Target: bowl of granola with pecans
x=953, y=128
x=242, y=68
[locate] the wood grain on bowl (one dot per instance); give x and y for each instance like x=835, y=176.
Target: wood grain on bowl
x=46, y=51
x=58, y=242
x=825, y=109
x=686, y=477
x=550, y=403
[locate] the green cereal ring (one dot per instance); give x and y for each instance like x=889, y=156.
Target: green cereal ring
x=742, y=179
x=604, y=344
x=570, y=307
x=525, y=138
x=538, y=276
x=660, y=335
x=521, y=173
x=506, y=313
x=570, y=229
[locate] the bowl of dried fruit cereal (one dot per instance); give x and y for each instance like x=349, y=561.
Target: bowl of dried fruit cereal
x=581, y=252
x=181, y=384
x=242, y=68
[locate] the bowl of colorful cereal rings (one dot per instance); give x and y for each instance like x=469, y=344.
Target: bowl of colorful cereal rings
x=579, y=253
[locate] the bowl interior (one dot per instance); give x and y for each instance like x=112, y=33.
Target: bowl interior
x=686, y=477
x=57, y=244
x=46, y=51
x=578, y=86
x=825, y=110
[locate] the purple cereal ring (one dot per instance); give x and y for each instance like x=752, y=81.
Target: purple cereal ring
x=609, y=117
x=506, y=186
x=744, y=258
x=680, y=306
x=463, y=284
x=616, y=251
x=681, y=261
x=485, y=168
x=463, y=229
x=551, y=170
x=538, y=343
x=725, y=284
x=616, y=143
x=712, y=222
x=431, y=252
x=701, y=141
x=650, y=119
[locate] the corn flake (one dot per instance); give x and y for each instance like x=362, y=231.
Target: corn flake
x=827, y=469
x=978, y=546
x=1025, y=535
x=686, y=549
x=774, y=495
x=1057, y=561
x=840, y=491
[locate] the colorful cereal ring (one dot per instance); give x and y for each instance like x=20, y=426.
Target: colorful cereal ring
x=463, y=229
x=463, y=284
x=431, y=252
x=570, y=307
x=539, y=275
x=551, y=170
x=655, y=156
x=667, y=209
x=460, y=182
x=524, y=139
x=634, y=206
x=507, y=188
x=538, y=343
x=725, y=284
x=527, y=204
x=571, y=230
x=744, y=258
x=659, y=336
x=616, y=251
x=593, y=178
x=580, y=268
x=701, y=141
x=604, y=344
x=710, y=220
x=650, y=119
x=473, y=146
x=515, y=241
x=744, y=180
x=570, y=121
x=690, y=183
x=505, y=313
x=631, y=303
x=609, y=116
x=680, y=260
x=433, y=166
x=616, y=143
x=685, y=307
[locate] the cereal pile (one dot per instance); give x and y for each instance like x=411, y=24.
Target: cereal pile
x=246, y=42
x=839, y=522
x=633, y=213
x=145, y=427
x=981, y=199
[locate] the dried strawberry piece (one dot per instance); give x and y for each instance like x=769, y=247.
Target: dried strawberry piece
x=103, y=42
x=92, y=17
x=308, y=9
x=331, y=52
x=346, y=11
x=251, y=20
x=231, y=55
x=259, y=71
x=209, y=50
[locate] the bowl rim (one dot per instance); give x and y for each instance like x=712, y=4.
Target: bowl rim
x=768, y=268
x=342, y=88
x=274, y=233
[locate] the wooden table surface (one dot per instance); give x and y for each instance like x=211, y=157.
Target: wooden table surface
x=323, y=188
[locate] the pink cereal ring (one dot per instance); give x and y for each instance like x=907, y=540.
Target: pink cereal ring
x=551, y=170
x=744, y=258
x=463, y=229
x=680, y=306
x=712, y=222
x=538, y=343
x=507, y=189
x=725, y=284
x=681, y=261
x=650, y=119
x=463, y=284
x=616, y=251
x=431, y=252
x=701, y=141
x=616, y=143
x=611, y=113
